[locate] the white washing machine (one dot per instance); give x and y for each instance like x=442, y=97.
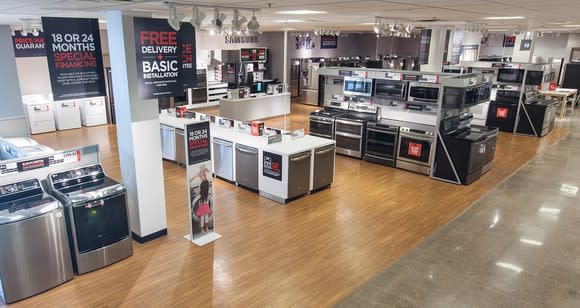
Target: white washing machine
x=40, y=116
x=67, y=114
x=93, y=111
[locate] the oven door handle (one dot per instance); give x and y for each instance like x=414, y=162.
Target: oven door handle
x=322, y=122
x=383, y=131
x=348, y=135
x=349, y=123
x=424, y=100
x=300, y=158
x=324, y=151
x=416, y=137
x=492, y=135
x=82, y=200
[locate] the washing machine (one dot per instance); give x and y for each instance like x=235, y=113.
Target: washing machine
x=34, y=248
x=96, y=212
x=93, y=111
x=40, y=116
x=67, y=114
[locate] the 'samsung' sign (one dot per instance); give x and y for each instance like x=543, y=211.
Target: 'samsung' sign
x=229, y=39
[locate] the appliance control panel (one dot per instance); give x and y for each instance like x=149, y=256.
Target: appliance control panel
x=32, y=186
x=417, y=131
x=74, y=174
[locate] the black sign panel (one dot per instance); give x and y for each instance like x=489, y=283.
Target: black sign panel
x=198, y=143
x=187, y=37
x=33, y=164
x=29, y=45
x=424, y=46
x=411, y=77
x=158, y=53
x=328, y=42
x=75, y=61
x=344, y=73
x=272, y=166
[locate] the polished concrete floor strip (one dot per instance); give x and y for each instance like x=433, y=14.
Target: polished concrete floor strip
x=518, y=246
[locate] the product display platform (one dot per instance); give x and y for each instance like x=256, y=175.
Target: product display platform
x=314, y=251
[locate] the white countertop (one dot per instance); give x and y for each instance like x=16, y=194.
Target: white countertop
x=248, y=99
x=171, y=120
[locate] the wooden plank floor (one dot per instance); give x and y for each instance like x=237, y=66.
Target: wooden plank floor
x=310, y=253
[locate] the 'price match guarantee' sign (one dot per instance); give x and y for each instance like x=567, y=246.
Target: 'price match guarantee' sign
x=75, y=62
x=159, y=62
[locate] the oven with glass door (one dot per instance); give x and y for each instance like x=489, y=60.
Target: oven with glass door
x=96, y=214
x=358, y=86
x=415, y=147
x=381, y=143
x=423, y=92
x=391, y=89
x=321, y=126
x=349, y=136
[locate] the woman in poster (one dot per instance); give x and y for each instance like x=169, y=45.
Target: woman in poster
x=202, y=204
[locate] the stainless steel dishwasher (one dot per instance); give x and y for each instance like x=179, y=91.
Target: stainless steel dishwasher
x=323, y=166
x=180, y=146
x=299, y=174
x=223, y=155
x=247, y=166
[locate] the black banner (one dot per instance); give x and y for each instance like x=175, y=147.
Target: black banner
x=328, y=42
x=158, y=53
x=187, y=37
x=272, y=166
x=198, y=143
x=29, y=45
x=75, y=61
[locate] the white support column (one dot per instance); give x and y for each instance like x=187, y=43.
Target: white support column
x=285, y=71
x=12, y=119
x=523, y=55
x=137, y=133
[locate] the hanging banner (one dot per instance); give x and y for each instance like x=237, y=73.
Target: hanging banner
x=188, y=68
x=424, y=46
x=328, y=42
x=158, y=54
x=29, y=45
x=75, y=60
x=199, y=180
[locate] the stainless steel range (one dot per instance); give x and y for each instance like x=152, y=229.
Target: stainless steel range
x=382, y=142
x=322, y=121
x=416, y=147
x=350, y=129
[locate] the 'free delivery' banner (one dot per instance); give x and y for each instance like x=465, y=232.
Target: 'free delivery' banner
x=75, y=61
x=159, y=58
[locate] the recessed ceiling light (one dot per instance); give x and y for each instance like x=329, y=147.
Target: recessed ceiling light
x=504, y=17
x=571, y=26
x=368, y=23
x=102, y=21
x=302, y=12
x=289, y=20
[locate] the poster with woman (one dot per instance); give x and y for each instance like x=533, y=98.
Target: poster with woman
x=201, y=207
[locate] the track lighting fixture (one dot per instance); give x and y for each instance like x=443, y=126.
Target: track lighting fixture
x=218, y=19
x=238, y=21
x=174, y=18
x=393, y=28
x=253, y=24
x=197, y=18
x=35, y=32
x=326, y=31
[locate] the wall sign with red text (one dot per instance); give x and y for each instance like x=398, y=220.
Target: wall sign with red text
x=75, y=61
x=414, y=149
x=159, y=59
x=28, y=46
x=253, y=54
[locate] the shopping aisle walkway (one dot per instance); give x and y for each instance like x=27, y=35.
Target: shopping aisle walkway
x=519, y=246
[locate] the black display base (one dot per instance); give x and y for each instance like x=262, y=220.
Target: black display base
x=149, y=237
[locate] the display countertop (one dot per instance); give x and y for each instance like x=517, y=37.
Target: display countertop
x=170, y=120
x=257, y=97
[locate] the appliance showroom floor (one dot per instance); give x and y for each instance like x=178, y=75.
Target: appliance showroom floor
x=317, y=250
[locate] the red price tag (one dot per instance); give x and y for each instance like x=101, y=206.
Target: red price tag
x=502, y=113
x=414, y=149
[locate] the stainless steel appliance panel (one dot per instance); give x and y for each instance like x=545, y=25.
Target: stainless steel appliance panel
x=180, y=146
x=35, y=256
x=321, y=127
x=381, y=146
x=223, y=155
x=391, y=89
x=419, y=92
x=247, y=166
x=299, y=176
x=416, y=149
x=323, y=166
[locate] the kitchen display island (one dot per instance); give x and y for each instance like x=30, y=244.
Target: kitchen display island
x=258, y=107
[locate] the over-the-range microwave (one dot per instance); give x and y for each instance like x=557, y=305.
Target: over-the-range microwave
x=358, y=86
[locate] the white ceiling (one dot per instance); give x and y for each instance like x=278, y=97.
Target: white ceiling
x=342, y=14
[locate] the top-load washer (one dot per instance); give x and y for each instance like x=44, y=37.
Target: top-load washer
x=93, y=111
x=67, y=114
x=96, y=212
x=34, y=248
x=40, y=116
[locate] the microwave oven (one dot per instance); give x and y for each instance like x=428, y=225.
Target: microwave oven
x=420, y=92
x=391, y=89
x=459, y=98
x=358, y=86
x=510, y=75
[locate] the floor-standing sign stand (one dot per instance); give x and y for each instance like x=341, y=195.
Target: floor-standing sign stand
x=201, y=207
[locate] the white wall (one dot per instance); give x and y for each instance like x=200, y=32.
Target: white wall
x=551, y=46
x=494, y=46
